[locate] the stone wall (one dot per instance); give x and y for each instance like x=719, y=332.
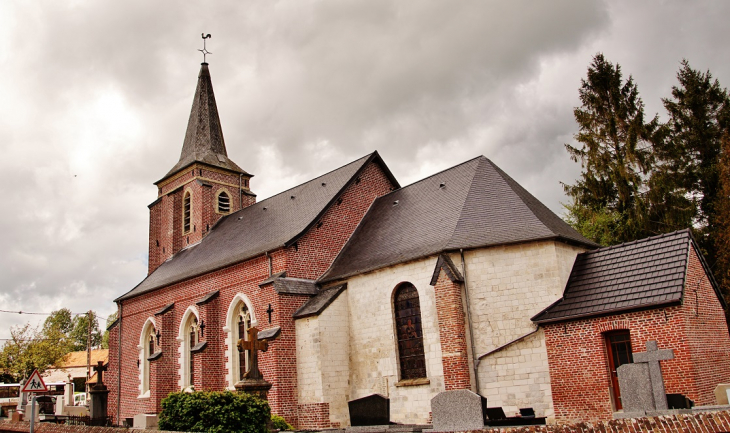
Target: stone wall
x=323, y=367
x=507, y=286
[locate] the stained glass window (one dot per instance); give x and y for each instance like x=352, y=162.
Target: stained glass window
x=410, y=332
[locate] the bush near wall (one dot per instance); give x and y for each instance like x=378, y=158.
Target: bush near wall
x=213, y=412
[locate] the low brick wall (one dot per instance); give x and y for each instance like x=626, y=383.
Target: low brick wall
x=707, y=422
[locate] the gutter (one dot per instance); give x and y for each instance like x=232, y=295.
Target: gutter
x=476, y=359
x=537, y=328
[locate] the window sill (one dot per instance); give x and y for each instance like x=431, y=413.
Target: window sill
x=145, y=395
x=413, y=382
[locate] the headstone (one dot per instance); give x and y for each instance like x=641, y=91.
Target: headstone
x=145, y=421
x=634, y=381
x=652, y=356
x=679, y=401
x=722, y=393
x=371, y=410
x=458, y=410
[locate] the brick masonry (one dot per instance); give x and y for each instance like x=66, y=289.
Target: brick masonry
x=708, y=422
x=695, y=330
x=214, y=366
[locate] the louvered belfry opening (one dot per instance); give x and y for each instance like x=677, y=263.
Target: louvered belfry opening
x=224, y=203
x=410, y=332
x=186, y=213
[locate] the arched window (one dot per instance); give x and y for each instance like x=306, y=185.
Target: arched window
x=146, y=349
x=224, y=202
x=186, y=211
x=410, y=332
x=188, y=338
x=244, y=323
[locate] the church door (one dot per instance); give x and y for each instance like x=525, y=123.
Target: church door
x=618, y=348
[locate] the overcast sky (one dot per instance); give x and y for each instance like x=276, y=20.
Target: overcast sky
x=95, y=97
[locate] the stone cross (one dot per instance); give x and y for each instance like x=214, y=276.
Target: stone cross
x=100, y=368
x=252, y=346
x=652, y=356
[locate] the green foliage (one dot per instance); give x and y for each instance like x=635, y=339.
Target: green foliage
x=615, y=152
x=214, y=411
x=279, y=423
x=80, y=333
x=29, y=349
x=722, y=238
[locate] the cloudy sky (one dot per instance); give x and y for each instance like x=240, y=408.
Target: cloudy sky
x=95, y=96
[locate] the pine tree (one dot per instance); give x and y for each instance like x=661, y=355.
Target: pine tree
x=608, y=203
x=722, y=208
x=699, y=116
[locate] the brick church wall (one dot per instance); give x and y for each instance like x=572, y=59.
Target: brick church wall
x=584, y=394
x=452, y=333
x=315, y=251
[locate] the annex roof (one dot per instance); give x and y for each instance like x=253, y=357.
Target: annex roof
x=630, y=276
x=254, y=230
x=204, y=136
x=474, y=204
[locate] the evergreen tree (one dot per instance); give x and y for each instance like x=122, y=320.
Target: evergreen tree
x=699, y=116
x=722, y=208
x=615, y=152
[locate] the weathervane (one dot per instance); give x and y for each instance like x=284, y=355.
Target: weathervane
x=204, y=51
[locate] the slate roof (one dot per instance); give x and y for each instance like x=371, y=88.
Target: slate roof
x=254, y=230
x=316, y=304
x=635, y=275
x=204, y=136
x=474, y=204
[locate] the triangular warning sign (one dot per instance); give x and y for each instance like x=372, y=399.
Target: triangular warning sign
x=34, y=383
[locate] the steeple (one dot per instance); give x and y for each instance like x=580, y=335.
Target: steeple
x=204, y=137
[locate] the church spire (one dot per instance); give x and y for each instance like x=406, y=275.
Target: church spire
x=204, y=137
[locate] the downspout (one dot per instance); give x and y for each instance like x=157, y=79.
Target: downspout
x=119, y=368
x=476, y=360
x=240, y=191
x=270, y=263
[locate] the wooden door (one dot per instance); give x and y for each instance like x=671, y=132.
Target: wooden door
x=618, y=348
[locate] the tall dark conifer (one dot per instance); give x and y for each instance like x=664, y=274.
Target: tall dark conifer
x=615, y=153
x=699, y=116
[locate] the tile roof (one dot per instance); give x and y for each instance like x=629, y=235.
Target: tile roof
x=204, y=136
x=474, y=204
x=254, y=230
x=624, y=277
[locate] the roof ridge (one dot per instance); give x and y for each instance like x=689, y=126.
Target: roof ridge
x=466, y=197
x=639, y=241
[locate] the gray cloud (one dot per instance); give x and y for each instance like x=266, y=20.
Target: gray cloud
x=96, y=96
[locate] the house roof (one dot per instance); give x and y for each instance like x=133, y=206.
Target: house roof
x=635, y=275
x=78, y=359
x=204, y=137
x=259, y=228
x=474, y=204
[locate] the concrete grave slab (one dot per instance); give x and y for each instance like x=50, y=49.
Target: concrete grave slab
x=457, y=410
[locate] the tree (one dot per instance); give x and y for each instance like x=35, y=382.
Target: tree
x=80, y=333
x=608, y=203
x=699, y=116
x=722, y=208
x=29, y=349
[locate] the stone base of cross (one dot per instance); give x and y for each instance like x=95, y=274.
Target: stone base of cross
x=253, y=381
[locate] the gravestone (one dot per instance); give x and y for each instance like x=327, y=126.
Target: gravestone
x=722, y=393
x=634, y=381
x=371, y=410
x=641, y=383
x=457, y=410
x=253, y=381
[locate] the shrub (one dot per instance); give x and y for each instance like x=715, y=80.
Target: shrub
x=279, y=423
x=214, y=412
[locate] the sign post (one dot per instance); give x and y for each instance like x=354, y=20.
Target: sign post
x=34, y=384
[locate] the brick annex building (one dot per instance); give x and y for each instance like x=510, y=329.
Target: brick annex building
x=462, y=280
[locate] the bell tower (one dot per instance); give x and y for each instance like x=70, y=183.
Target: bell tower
x=202, y=187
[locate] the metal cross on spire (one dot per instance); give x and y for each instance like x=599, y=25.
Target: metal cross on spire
x=205, y=51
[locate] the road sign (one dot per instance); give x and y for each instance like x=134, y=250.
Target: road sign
x=34, y=383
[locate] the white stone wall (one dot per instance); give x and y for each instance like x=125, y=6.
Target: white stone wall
x=507, y=286
x=373, y=345
x=323, y=366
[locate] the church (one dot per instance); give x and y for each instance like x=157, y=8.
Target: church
x=462, y=280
